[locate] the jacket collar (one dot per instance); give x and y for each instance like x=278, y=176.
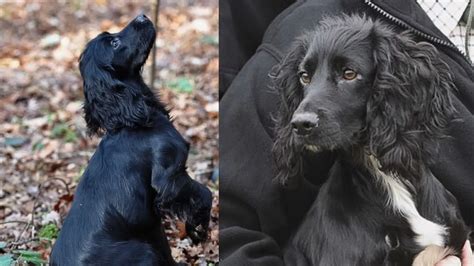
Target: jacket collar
x=409, y=14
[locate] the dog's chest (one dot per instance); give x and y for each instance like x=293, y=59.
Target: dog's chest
x=377, y=214
x=400, y=200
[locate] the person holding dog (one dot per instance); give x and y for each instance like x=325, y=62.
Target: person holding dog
x=257, y=215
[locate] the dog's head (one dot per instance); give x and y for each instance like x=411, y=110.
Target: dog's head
x=356, y=82
x=115, y=94
x=120, y=54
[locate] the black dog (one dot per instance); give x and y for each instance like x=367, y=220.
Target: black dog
x=380, y=102
x=139, y=169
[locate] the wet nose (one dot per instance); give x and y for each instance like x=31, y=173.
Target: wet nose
x=141, y=18
x=303, y=124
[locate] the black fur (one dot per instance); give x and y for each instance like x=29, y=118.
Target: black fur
x=396, y=110
x=138, y=170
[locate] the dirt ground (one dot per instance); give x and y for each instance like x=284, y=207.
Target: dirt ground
x=43, y=143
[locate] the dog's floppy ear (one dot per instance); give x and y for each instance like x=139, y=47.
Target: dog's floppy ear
x=287, y=156
x=111, y=103
x=100, y=92
x=410, y=106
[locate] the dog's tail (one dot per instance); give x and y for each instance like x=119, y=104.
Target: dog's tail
x=432, y=255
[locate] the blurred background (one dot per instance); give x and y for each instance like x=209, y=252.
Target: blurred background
x=43, y=143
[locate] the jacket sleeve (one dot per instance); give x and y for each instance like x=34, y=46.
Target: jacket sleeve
x=243, y=244
x=257, y=216
x=251, y=212
x=454, y=167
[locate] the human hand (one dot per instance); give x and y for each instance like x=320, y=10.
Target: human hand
x=466, y=258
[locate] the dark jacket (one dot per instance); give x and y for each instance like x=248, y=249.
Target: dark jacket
x=257, y=217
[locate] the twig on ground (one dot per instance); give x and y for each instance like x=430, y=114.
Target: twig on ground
x=31, y=222
x=61, y=181
x=19, y=243
x=12, y=222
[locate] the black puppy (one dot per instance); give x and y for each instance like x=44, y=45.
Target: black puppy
x=380, y=102
x=139, y=169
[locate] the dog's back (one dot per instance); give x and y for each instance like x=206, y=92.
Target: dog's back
x=115, y=244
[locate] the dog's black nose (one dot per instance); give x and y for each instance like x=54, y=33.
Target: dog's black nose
x=141, y=18
x=303, y=124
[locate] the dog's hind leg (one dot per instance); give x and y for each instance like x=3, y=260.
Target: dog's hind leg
x=119, y=243
x=127, y=253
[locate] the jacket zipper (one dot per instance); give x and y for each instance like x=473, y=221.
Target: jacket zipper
x=415, y=31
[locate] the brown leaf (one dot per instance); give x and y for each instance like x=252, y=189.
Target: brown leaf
x=63, y=200
x=50, y=147
x=181, y=229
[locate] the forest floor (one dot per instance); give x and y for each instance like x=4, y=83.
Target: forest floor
x=44, y=148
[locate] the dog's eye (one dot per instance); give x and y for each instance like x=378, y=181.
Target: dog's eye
x=305, y=79
x=115, y=43
x=349, y=74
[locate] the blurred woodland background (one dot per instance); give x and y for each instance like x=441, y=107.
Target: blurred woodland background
x=43, y=143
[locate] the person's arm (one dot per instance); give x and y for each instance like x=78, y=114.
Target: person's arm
x=257, y=215
x=251, y=213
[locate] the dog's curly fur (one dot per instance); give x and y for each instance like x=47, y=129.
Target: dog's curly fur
x=138, y=171
x=394, y=112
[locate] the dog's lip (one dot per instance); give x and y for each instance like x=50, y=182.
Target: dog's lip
x=314, y=141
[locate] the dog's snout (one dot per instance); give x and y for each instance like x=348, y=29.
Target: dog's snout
x=303, y=124
x=141, y=18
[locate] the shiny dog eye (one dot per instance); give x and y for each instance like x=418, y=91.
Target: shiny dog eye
x=305, y=79
x=115, y=43
x=349, y=74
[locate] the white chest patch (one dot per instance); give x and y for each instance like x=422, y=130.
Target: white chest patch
x=400, y=199
x=312, y=148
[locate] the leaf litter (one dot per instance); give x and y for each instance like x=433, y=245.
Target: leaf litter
x=44, y=148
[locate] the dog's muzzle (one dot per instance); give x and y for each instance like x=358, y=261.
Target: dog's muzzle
x=141, y=18
x=303, y=124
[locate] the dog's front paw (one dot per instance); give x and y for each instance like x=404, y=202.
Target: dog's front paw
x=196, y=233
x=197, y=222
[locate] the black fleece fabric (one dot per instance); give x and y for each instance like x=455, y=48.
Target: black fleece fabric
x=242, y=25
x=257, y=217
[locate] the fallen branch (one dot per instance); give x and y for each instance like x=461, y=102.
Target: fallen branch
x=153, y=53
x=31, y=222
x=13, y=222
x=61, y=181
x=14, y=245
